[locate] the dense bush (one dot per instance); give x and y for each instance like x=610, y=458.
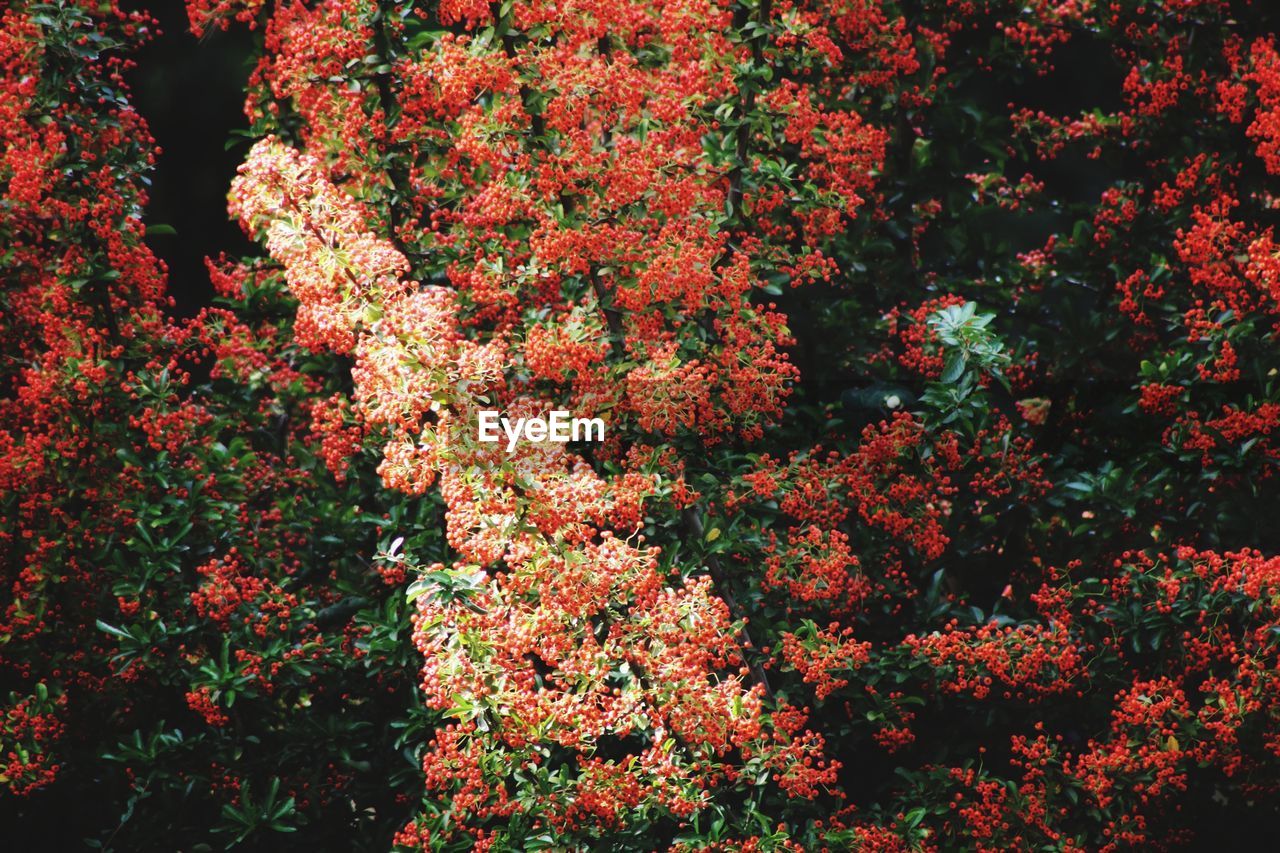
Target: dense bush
x=936, y=345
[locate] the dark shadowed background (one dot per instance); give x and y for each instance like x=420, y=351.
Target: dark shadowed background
x=191, y=92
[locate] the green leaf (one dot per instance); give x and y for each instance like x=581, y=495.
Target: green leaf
x=113, y=630
x=953, y=370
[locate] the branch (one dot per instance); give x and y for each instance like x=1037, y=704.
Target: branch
x=692, y=522
x=390, y=106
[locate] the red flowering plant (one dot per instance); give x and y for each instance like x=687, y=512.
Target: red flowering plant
x=191, y=608
x=932, y=348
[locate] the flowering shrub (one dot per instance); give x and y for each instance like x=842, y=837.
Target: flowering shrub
x=935, y=343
